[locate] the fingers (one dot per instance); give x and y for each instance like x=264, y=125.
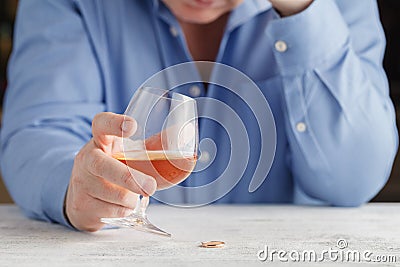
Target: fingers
x=108, y=210
x=107, y=124
x=108, y=192
x=101, y=165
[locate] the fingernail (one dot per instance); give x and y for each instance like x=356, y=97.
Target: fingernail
x=128, y=125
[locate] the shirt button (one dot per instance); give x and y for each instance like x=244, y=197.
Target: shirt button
x=194, y=91
x=204, y=157
x=280, y=46
x=173, y=31
x=301, y=127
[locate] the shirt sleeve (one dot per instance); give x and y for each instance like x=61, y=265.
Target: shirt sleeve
x=339, y=118
x=54, y=91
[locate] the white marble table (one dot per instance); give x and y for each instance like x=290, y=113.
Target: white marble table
x=245, y=229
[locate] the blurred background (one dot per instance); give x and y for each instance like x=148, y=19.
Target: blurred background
x=389, y=10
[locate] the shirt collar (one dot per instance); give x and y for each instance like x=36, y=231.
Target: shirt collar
x=161, y=10
x=246, y=11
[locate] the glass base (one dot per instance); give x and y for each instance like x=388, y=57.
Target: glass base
x=135, y=221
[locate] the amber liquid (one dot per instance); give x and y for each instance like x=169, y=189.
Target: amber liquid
x=166, y=167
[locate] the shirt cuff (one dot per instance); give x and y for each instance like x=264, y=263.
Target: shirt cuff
x=304, y=40
x=54, y=192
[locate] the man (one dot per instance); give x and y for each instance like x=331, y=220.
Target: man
x=318, y=63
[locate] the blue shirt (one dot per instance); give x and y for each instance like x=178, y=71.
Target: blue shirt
x=324, y=81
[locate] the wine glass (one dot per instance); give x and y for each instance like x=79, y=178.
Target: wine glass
x=164, y=146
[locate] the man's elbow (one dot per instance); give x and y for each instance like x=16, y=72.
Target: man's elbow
x=358, y=192
x=360, y=182
x=351, y=187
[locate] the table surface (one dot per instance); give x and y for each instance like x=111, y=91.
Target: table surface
x=245, y=229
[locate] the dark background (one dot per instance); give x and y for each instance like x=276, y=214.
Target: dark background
x=390, y=16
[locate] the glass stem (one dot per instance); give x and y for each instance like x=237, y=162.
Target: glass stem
x=141, y=206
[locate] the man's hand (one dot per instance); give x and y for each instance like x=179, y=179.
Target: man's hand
x=100, y=185
x=290, y=7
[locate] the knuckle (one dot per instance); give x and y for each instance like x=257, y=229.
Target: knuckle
x=96, y=119
x=126, y=178
x=79, y=157
x=85, y=154
x=96, y=164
